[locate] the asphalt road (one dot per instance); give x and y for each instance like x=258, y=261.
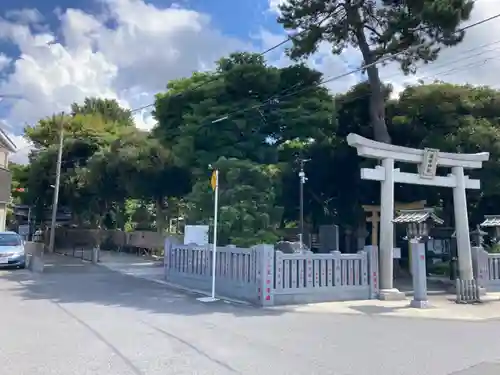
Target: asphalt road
x=82, y=319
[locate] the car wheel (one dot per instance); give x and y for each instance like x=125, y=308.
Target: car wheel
x=22, y=266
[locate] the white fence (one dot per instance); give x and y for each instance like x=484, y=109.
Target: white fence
x=486, y=268
x=235, y=272
x=267, y=277
x=494, y=271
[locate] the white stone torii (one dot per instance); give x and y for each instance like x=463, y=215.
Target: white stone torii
x=427, y=160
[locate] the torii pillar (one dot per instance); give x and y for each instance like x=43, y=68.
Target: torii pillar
x=427, y=161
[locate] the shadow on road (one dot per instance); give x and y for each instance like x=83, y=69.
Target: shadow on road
x=68, y=280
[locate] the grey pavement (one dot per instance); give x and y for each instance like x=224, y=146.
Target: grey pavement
x=78, y=318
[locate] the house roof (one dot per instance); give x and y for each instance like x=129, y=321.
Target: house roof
x=5, y=139
x=417, y=216
x=491, y=221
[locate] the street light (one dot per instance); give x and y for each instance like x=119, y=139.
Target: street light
x=302, y=181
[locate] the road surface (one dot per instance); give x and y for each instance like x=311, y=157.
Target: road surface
x=82, y=319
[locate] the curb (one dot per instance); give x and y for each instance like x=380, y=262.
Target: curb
x=178, y=287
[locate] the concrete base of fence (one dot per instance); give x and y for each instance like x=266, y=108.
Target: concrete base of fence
x=308, y=297
x=391, y=295
x=419, y=304
x=35, y=263
x=95, y=254
x=34, y=256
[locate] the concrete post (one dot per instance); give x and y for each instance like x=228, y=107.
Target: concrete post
x=35, y=256
x=265, y=288
x=387, y=291
x=166, y=256
x=373, y=271
x=95, y=254
x=462, y=225
x=419, y=274
x=480, y=268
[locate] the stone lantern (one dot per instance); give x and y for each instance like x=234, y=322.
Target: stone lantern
x=476, y=237
x=492, y=222
x=418, y=226
x=418, y=222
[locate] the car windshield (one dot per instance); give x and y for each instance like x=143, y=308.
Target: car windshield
x=9, y=239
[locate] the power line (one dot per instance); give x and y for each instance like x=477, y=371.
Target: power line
x=275, y=99
x=340, y=76
x=442, y=73
x=215, y=78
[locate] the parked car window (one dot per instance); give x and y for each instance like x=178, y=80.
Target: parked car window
x=9, y=239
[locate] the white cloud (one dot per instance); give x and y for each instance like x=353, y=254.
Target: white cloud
x=23, y=149
x=116, y=54
x=475, y=61
x=129, y=61
x=4, y=61
x=324, y=61
x=24, y=16
x=274, y=4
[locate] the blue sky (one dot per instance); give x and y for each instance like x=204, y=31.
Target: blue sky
x=54, y=53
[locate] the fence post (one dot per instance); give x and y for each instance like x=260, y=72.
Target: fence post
x=265, y=280
x=419, y=274
x=372, y=252
x=480, y=267
x=167, y=248
x=278, y=270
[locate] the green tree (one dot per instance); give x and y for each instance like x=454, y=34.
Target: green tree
x=85, y=133
x=149, y=172
x=194, y=124
x=108, y=109
x=92, y=128
x=407, y=32
x=247, y=202
x=97, y=190
x=452, y=118
x=20, y=174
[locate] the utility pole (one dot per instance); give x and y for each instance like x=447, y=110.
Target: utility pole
x=29, y=223
x=56, y=187
x=302, y=181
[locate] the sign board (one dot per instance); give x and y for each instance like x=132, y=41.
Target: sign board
x=24, y=230
x=328, y=238
x=429, y=163
x=213, y=180
x=197, y=234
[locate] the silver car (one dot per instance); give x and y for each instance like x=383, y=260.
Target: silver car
x=12, y=250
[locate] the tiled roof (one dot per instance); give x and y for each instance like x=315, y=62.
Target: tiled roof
x=417, y=216
x=491, y=221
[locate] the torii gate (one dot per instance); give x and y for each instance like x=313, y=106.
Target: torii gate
x=427, y=160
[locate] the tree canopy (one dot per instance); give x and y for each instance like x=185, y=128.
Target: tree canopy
x=194, y=126
x=407, y=32
x=241, y=120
